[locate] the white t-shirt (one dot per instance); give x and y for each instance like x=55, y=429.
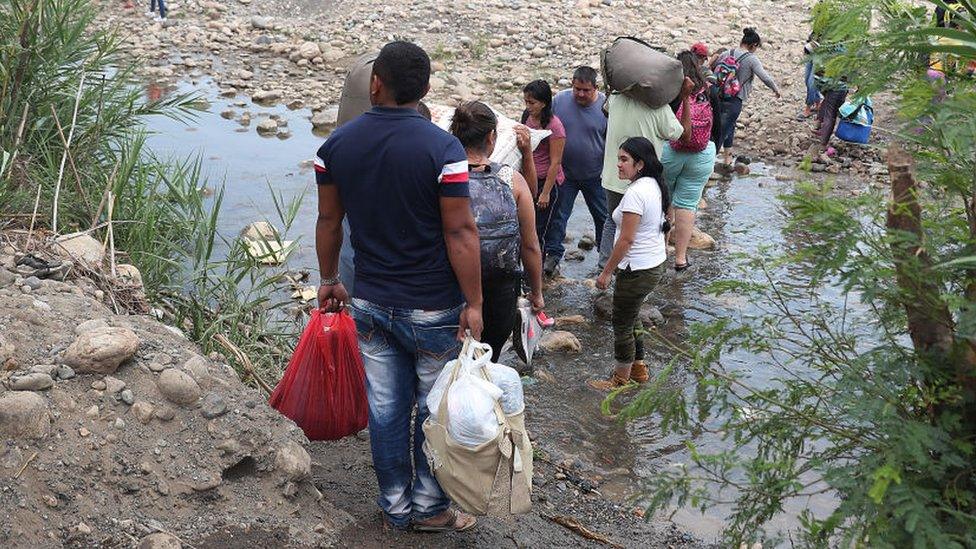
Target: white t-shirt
x=643, y=197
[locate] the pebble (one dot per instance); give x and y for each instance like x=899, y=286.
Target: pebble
x=213, y=406
x=65, y=372
x=143, y=411
x=178, y=386
x=83, y=432
x=31, y=382
x=92, y=412
x=113, y=384
x=127, y=397
x=119, y=423
x=33, y=282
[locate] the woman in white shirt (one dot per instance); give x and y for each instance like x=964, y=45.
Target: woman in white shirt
x=638, y=256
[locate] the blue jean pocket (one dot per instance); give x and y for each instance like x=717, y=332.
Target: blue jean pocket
x=371, y=338
x=438, y=343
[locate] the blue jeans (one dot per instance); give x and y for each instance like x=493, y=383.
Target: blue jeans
x=731, y=109
x=545, y=217
x=813, y=96
x=403, y=351
x=162, y=7
x=596, y=202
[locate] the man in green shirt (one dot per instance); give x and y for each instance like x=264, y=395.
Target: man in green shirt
x=631, y=118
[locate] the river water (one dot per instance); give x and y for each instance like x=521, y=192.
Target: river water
x=743, y=214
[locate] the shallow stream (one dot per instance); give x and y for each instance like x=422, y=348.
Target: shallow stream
x=742, y=215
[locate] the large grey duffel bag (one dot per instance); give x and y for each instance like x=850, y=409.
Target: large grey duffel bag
x=634, y=68
x=354, y=100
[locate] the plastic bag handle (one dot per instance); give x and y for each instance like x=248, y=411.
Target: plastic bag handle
x=470, y=350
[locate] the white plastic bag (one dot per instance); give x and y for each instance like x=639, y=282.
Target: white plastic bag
x=471, y=410
x=510, y=382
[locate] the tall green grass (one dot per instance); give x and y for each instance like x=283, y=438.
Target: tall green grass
x=61, y=81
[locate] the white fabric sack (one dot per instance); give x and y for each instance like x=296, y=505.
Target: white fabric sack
x=506, y=148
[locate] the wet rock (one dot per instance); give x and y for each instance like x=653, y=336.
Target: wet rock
x=81, y=247
x=143, y=411
x=101, y=350
x=572, y=320
x=178, y=387
x=266, y=96
x=24, y=414
x=31, y=382
x=159, y=540
x=228, y=114
x=603, y=305
x=213, y=406
x=574, y=255
x=560, y=341
x=293, y=461
x=650, y=315
x=65, y=372
x=700, y=240
x=268, y=126
x=586, y=242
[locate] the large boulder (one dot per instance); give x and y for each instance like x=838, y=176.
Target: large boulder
x=700, y=240
x=160, y=540
x=82, y=247
x=178, y=386
x=24, y=414
x=101, y=350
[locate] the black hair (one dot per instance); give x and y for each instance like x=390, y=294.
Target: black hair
x=405, y=69
x=750, y=37
x=692, y=69
x=424, y=110
x=640, y=148
x=540, y=91
x=473, y=122
x=585, y=74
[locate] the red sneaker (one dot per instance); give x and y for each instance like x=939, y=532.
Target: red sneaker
x=544, y=320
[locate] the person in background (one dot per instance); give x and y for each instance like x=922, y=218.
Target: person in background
x=688, y=163
x=631, y=118
x=638, y=257
x=834, y=90
x=505, y=214
x=403, y=182
x=750, y=67
x=813, y=98
x=700, y=50
x=581, y=111
x=716, y=57
x=162, y=10
x=548, y=158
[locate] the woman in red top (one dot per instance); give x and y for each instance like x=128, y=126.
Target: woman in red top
x=548, y=158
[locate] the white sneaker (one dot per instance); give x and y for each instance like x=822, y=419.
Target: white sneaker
x=150, y=14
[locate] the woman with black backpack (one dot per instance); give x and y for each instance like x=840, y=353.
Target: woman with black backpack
x=505, y=214
x=735, y=74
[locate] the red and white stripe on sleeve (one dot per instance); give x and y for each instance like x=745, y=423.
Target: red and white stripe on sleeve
x=319, y=165
x=455, y=172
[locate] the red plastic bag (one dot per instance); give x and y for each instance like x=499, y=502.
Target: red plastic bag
x=324, y=387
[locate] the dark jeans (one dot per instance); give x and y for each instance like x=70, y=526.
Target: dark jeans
x=827, y=115
x=629, y=293
x=813, y=96
x=162, y=7
x=596, y=202
x=544, y=218
x=609, y=227
x=500, y=297
x=731, y=109
x=403, y=351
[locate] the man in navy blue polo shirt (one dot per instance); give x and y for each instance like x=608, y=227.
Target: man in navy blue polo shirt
x=402, y=182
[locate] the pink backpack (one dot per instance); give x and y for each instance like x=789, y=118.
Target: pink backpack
x=701, y=125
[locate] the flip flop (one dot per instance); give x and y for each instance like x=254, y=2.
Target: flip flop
x=449, y=526
x=679, y=267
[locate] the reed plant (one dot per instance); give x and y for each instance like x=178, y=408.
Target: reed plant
x=73, y=157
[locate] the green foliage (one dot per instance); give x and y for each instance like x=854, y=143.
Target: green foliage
x=855, y=406
x=61, y=80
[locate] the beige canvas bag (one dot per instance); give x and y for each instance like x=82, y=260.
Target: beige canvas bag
x=493, y=478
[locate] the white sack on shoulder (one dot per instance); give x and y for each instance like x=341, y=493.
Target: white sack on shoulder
x=506, y=148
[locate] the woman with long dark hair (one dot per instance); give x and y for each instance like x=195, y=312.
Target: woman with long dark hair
x=505, y=214
x=638, y=256
x=548, y=158
x=688, y=162
x=749, y=68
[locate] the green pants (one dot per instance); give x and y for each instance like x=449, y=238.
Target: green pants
x=629, y=293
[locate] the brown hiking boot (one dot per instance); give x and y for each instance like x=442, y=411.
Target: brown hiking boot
x=638, y=372
x=606, y=385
